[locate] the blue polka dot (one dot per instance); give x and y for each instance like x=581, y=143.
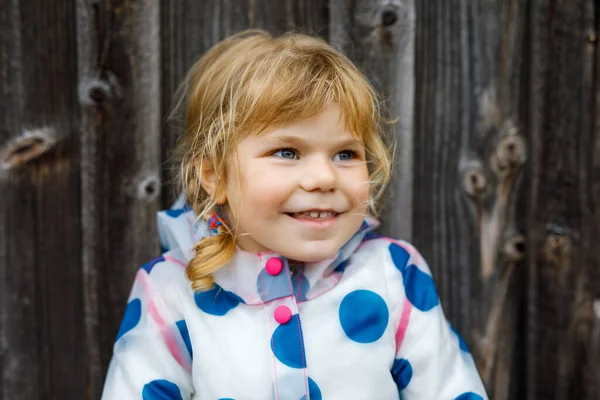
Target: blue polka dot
x=161, y=390
x=313, y=391
x=148, y=267
x=402, y=373
x=176, y=212
x=287, y=343
x=217, y=301
x=461, y=342
x=271, y=287
x=363, y=316
x=420, y=288
x=301, y=286
x=185, y=335
x=469, y=396
x=399, y=256
x=132, y=316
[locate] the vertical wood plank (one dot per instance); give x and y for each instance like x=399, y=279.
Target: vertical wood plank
x=564, y=313
x=18, y=318
x=468, y=153
x=119, y=97
x=41, y=329
x=592, y=231
x=379, y=37
x=190, y=27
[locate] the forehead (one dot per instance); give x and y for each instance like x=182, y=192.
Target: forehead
x=328, y=125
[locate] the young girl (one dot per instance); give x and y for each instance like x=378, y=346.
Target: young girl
x=273, y=285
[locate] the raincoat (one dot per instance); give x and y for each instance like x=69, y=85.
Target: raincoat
x=366, y=325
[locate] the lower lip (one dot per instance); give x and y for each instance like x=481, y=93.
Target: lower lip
x=316, y=223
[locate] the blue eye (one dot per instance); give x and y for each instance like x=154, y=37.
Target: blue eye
x=346, y=155
x=289, y=154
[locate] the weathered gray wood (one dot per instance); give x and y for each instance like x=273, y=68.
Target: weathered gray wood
x=469, y=149
x=379, y=37
x=592, y=229
x=41, y=329
x=119, y=97
x=564, y=282
x=191, y=27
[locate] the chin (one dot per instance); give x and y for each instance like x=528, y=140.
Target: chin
x=312, y=256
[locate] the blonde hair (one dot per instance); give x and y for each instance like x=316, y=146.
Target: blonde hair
x=250, y=82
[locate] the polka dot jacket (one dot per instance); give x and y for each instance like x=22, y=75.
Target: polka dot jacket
x=367, y=325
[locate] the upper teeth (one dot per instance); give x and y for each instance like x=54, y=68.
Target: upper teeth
x=315, y=214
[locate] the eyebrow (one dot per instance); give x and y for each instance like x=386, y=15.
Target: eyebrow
x=297, y=141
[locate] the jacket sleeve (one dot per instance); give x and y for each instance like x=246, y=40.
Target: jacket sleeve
x=151, y=356
x=432, y=361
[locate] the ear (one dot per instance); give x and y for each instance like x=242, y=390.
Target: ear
x=208, y=180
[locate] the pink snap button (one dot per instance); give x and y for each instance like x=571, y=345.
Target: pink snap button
x=283, y=314
x=274, y=266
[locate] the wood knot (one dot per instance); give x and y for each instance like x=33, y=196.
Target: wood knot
x=514, y=248
x=557, y=249
x=509, y=154
x=149, y=188
x=27, y=147
x=95, y=92
x=475, y=182
x=388, y=18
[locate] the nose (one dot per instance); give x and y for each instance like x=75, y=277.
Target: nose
x=319, y=174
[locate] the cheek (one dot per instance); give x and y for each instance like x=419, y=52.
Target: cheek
x=358, y=186
x=263, y=192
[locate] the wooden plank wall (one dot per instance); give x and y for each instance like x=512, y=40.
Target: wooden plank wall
x=563, y=217
x=497, y=170
x=469, y=153
x=42, y=326
x=118, y=87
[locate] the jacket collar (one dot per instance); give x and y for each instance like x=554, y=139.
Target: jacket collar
x=246, y=276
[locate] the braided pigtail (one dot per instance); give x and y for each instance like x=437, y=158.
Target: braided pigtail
x=210, y=254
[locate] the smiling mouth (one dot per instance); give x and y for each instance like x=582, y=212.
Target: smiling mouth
x=314, y=214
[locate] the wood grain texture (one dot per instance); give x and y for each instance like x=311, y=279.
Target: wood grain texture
x=469, y=151
x=592, y=230
x=379, y=37
x=119, y=98
x=41, y=328
x=564, y=317
x=190, y=27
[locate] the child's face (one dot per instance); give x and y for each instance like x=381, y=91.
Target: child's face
x=300, y=190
